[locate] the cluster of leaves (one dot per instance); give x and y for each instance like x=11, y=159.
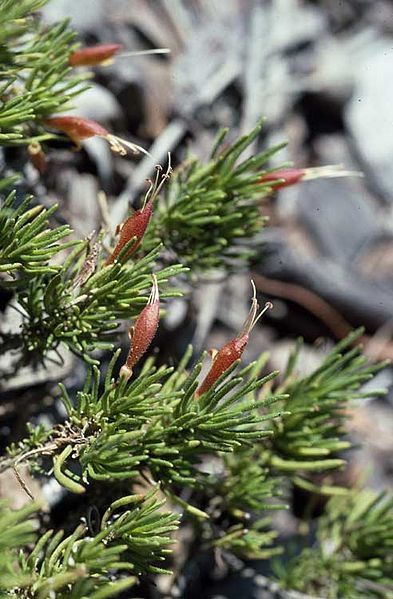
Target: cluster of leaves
x=154, y=426
x=211, y=212
x=133, y=537
x=154, y=422
x=63, y=303
x=353, y=554
x=27, y=244
x=312, y=434
x=16, y=530
x=37, y=80
x=118, y=429
x=78, y=301
x=68, y=304
x=241, y=495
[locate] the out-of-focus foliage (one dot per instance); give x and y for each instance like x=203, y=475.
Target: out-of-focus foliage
x=353, y=554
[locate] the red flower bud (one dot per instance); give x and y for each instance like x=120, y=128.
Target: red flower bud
x=94, y=55
x=143, y=332
x=233, y=350
x=79, y=129
x=135, y=226
x=291, y=176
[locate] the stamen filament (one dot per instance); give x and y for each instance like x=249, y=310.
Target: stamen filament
x=252, y=317
x=144, y=52
x=329, y=171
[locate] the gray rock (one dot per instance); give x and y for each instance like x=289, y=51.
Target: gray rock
x=96, y=103
x=85, y=16
x=369, y=115
x=329, y=209
x=361, y=300
x=82, y=203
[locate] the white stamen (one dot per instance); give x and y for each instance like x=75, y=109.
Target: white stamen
x=118, y=145
x=252, y=317
x=144, y=52
x=329, y=171
x=154, y=294
x=155, y=188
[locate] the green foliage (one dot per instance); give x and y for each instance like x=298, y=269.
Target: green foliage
x=78, y=303
x=16, y=530
x=14, y=11
x=247, y=483
x=239, y=493
x=353, y=555
x=211, y=212
x=155, y=422
x=253, y=541
x=313, y=434
x=26, y=243
x=85, y=317
x=118, y=429
x=133, y=537
x=37, y=80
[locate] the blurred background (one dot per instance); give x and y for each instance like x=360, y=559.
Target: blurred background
x=321, y=73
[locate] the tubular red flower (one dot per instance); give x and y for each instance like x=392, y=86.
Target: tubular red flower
x=76, y=127
x=291, y=176
x=93, y=55
x=135, y=226
x=233, y=350
x=79, y=129
x=142, y=333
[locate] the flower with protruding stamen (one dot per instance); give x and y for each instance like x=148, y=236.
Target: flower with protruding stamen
x=290, y=176
x=233, y=350
x=134, y=227
x=78, y=129
x=103, y=54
